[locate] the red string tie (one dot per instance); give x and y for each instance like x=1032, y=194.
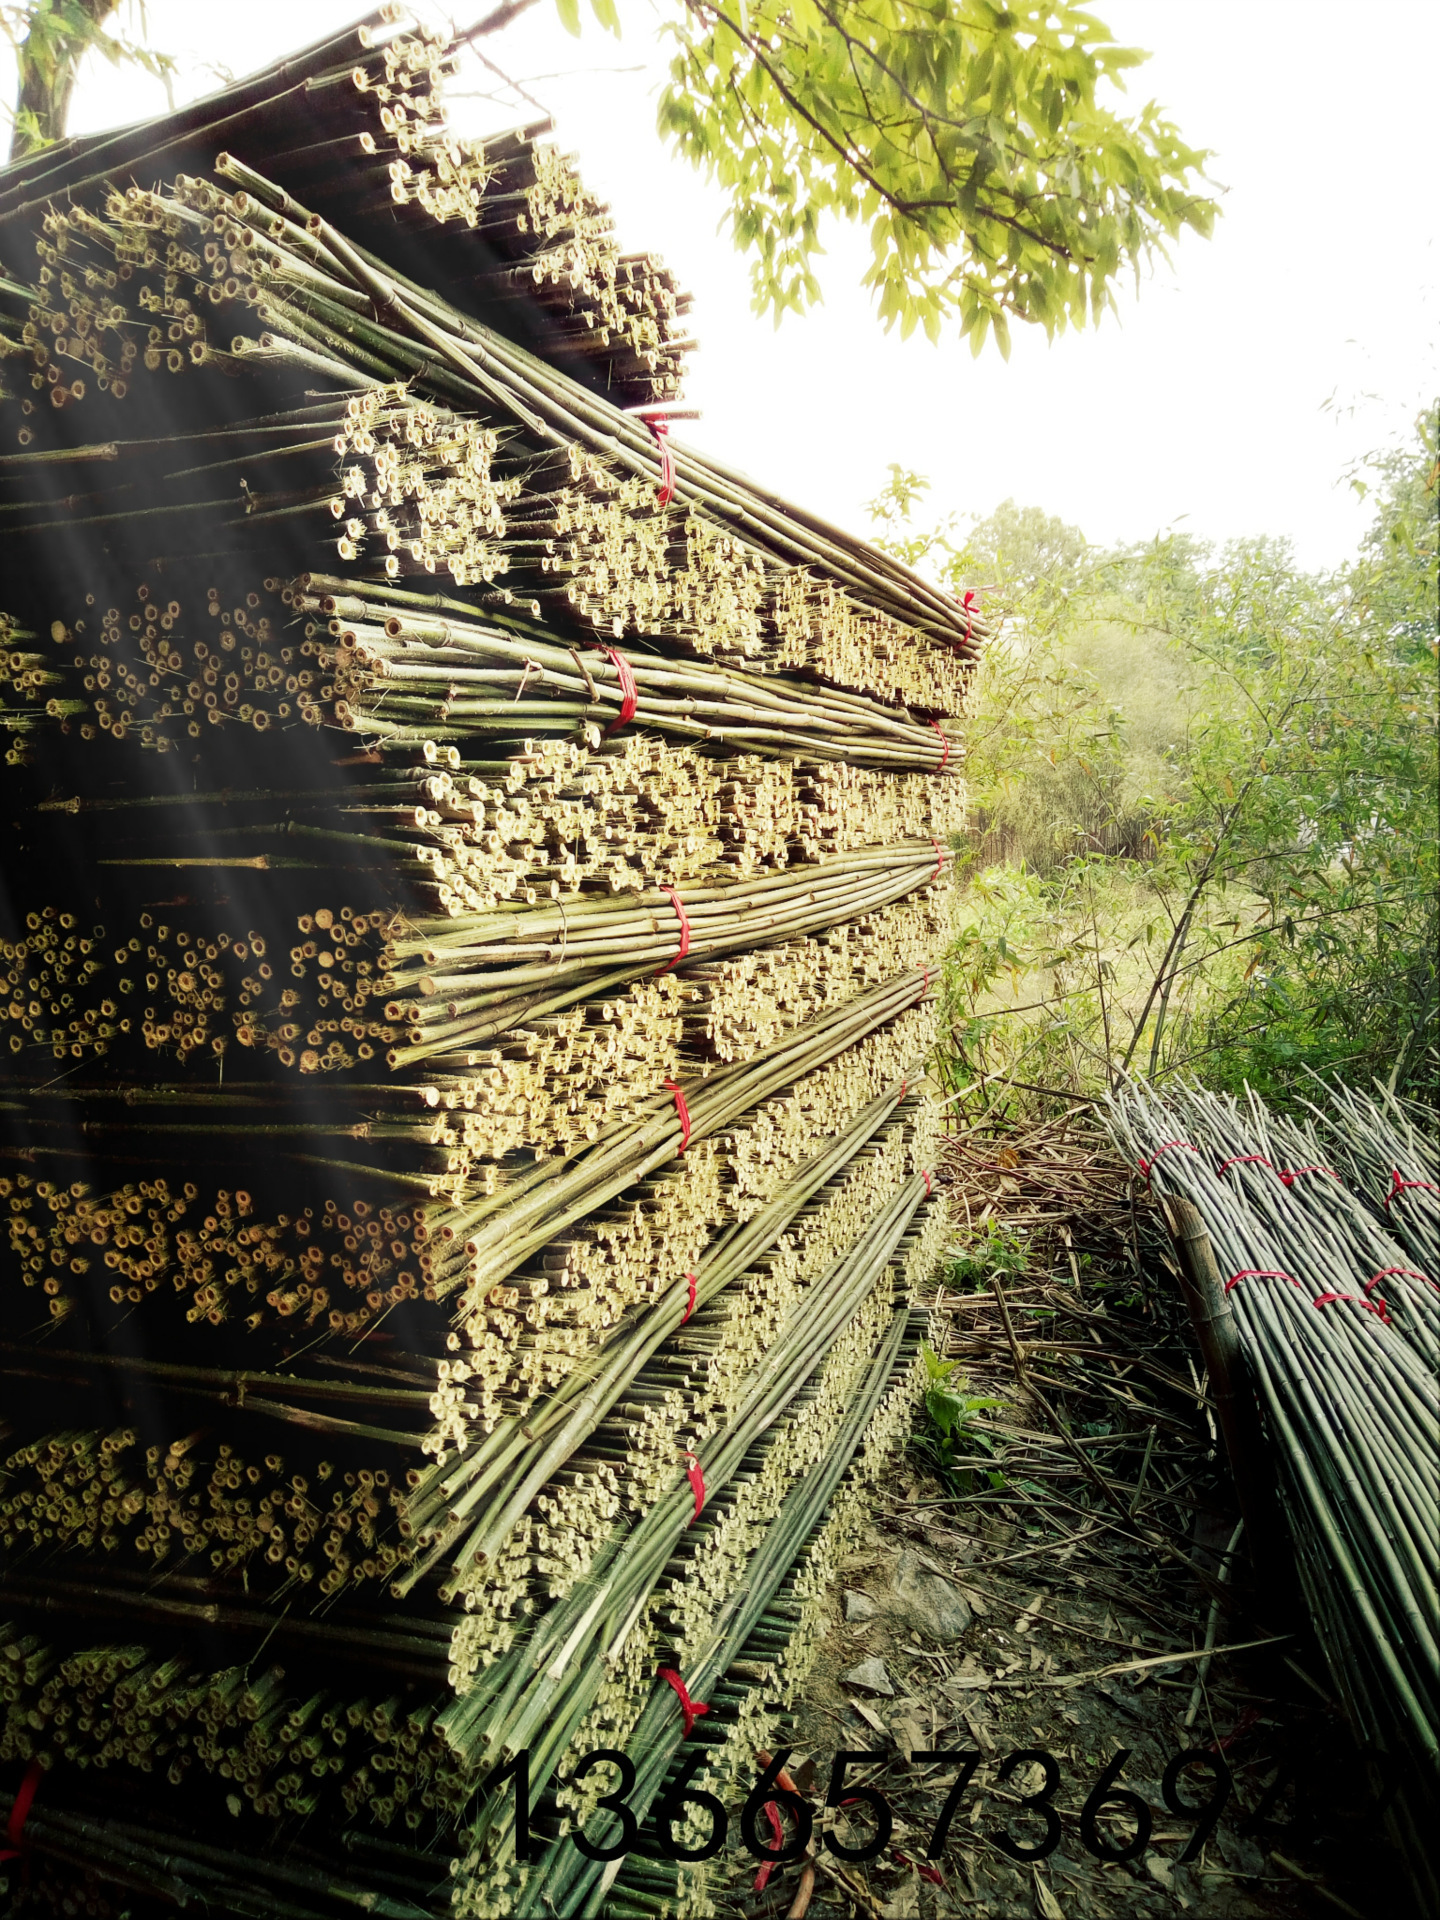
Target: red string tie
x=1405, y=1273
x=1243, y=1160
x=939, y=859
x=925, y=984
x=1147, y=1166
x=1381, y=1312
x=1400, y=1186
x=1260, y=1273
x=20, y=1811
x=904, y=1088
x=1291, y=1174
x=969, y=605
x=944, y=745
x=629, y=692
x=696, y=1478
x=673, y=1086
x=924, y=1175
x=690, y=1710
x=1320, y=1299
x=666, y=492
x=690, y=1303
x=684, y=920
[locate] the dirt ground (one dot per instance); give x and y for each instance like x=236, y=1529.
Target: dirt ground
x=1096, y=1556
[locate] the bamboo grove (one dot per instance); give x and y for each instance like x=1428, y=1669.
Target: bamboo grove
x=476, y=872
x=1325, y=1236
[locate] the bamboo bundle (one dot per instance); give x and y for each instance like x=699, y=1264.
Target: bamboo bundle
x=1340, y=1337
x=371, y=139
x=1390, y=1161
x=542, y=491
x=761, y=1648
x=466, y=1034
x=394, y=676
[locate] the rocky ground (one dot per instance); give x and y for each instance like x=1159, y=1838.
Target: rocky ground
x=1051, y=1599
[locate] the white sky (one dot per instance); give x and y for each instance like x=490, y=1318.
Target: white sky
x=1205, y=406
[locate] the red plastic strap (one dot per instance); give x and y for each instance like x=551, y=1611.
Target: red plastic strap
x=777, y=1835
x=20, y=1811
x=939, y=859
x=969, y=605
x=697, y=1481
x=673, y=1086
x=904, y=1088
x=1404, y=1272
x=690, y=1710
x=926, y=1178
x=684, y=920
x=629, y=692
x=925, y=984
x=1244, y=1159
x=1260, y=1273
x=690, y=1303
x=1147, y=1166
x=1400, y=1186
x=660, y=428
x=1320, y=1299
x=1381, y=1312
x=1287, y=1175
x=944, y=745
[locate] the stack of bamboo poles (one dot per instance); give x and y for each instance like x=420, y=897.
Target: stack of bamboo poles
x=465, y=991
x=358, y=122
x=1339, y=1327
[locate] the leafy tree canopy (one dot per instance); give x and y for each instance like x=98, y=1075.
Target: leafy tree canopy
x=977, y=145
x=973, y=142
x=1205, y=797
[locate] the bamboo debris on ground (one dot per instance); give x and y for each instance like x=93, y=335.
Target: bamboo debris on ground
x=1340, y=1335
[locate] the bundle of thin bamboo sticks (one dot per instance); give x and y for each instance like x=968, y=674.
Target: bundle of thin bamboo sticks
x=1341, y=1334
x=473, y=915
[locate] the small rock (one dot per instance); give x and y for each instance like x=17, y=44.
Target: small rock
x=928, y=1601
x=1158, y=1869
x=859, y=1606
x=904, y=1902
x=871, y=1675
x=1239, y=1852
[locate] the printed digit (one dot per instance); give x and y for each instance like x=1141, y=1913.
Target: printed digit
x=1105, y=1794
x=968, y=1763
x=1206, y=1816
x=671, y=1807
x=527, y=1847
x=838, y=1794
x=612, y=1803
x=766, y=1793
x=1038, y=1802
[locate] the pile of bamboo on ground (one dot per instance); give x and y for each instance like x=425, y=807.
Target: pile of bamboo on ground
x=1319, y=1233
x=466, y=970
